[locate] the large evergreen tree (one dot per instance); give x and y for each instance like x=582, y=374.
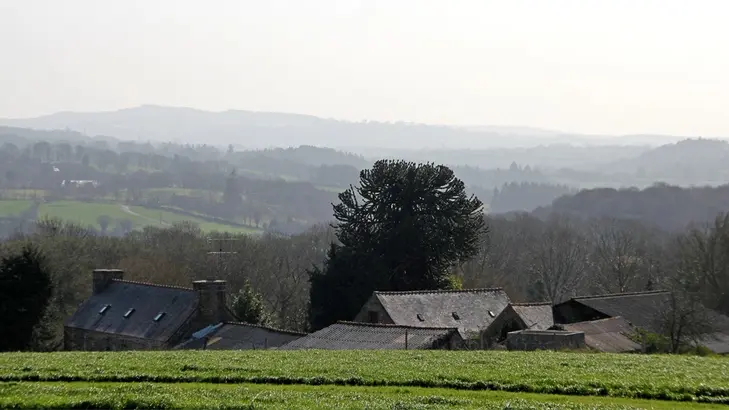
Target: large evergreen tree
x=401, y=229
x=248, y=306
x=25, y=290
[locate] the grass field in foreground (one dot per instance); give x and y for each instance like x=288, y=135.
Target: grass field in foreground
x=253, y=396
x=635, y=376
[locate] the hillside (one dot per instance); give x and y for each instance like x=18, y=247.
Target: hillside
x=266, y=129
x=665, y=206
x=686, y=162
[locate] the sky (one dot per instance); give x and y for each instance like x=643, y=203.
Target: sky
x=601, y=67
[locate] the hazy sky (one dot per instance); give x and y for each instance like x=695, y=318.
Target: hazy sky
x=610, y=66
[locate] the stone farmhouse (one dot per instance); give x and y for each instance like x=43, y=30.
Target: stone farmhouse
x=469, y=310
x=126, y=315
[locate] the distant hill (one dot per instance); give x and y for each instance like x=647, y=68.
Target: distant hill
x=16, y=135
x=665, y=206
x=250, y=129
x=681, y=163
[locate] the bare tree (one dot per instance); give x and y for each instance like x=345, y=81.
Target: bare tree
x=501, y=258
x=617, y=254
x=557, y=260
x=684, y=320
x=703, y=261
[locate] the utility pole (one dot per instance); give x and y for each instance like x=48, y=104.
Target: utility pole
x=220, y=252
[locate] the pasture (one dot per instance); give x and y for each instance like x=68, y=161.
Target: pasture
x=371, y=379
x=88, y=213
x=13, y=207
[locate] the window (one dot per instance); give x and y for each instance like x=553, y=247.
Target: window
x=129, y=313
x=159, y=316
x=455, y=316
x=373, y=316
x=104, y=309
x=420, y=317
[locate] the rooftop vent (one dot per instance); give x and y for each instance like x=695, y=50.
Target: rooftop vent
x=455, y=316
x=420, y=317
x=104, y=309
x=159, y=316
x=129, y=313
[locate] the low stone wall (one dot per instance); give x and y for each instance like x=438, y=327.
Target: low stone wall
x=544, y=340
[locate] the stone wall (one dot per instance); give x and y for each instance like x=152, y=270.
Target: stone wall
x=373, y=305
x=545, y=340
x=507, y=321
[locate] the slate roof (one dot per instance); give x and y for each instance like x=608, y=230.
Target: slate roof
x=241, y=336
x=639, y=308
x=536, y=316
x=369, y=336
x=642, y=308
x=468, y=310
x=716, y=342
x=148, y=300
x=606, y=335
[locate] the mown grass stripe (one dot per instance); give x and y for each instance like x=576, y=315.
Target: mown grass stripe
x=659, y=377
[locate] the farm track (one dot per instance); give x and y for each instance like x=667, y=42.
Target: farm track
x=127, y=210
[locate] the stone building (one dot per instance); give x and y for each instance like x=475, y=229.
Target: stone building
x=127, y=315
x=545, y=340
x=518, y=316
x=468, y=310
x=647, y=311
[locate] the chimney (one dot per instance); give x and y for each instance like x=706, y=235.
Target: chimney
x=102, y=278
x=212, y=305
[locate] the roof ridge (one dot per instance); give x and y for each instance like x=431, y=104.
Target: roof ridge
x=424, y=291
x=157, y=285
x=531, y=304
x=387, y=325
x=608, y=295
x=265, y=327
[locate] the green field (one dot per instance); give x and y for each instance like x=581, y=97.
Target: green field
x=167, y=217
x=87, y=213
x=253, y=396
x=13, y=207
x=456, y=375
x=181, y=192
